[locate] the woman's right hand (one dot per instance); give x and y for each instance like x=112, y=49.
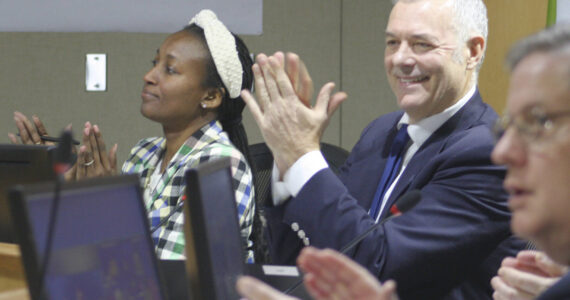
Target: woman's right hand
x=29, y=133
x=93, y=159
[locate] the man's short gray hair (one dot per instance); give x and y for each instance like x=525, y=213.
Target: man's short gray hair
x=469, y=19
x=554, y=40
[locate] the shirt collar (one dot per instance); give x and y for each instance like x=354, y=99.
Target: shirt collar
x=423, y=129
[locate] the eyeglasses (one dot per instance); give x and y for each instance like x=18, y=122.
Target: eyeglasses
x=534, y=125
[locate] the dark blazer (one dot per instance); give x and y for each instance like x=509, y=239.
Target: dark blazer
x=449, y=246
x=559, y=291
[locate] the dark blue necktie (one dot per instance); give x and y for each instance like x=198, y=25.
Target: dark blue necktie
x=391, y=170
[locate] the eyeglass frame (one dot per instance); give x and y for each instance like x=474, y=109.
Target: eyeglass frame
x=532, y=130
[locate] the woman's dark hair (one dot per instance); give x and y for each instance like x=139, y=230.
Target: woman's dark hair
x=230, y=115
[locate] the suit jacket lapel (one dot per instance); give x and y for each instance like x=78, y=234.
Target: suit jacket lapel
x=466, y=117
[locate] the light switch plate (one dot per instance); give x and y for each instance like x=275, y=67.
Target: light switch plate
x=96, y=72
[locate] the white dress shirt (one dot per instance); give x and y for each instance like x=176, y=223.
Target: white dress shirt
x=312, y=162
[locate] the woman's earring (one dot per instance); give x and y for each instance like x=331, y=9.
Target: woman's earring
x=203, y=105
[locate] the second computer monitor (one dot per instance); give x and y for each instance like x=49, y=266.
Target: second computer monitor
x=214, y=251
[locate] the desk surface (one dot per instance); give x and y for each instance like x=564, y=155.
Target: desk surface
x=13, y=281
x=12, y=277
x=174, y=272
x=18, y=294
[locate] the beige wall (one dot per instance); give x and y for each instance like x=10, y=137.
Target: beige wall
x=44, y=74
x=363, y=77
x=507, y=24
x=341, y=41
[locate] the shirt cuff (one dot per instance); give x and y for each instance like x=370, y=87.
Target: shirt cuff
x=297, y=176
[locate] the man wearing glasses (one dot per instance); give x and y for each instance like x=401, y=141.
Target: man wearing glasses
x=534, y=144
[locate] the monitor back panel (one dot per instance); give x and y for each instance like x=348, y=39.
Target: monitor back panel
x=214, y=251
x=20, y=164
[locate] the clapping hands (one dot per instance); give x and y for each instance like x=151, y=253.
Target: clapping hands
x=281, y=107
x=93, y=158
x=526, y=276
x=29, y=132
x=329, y=275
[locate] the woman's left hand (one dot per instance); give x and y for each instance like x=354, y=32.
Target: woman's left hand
x=93, y=159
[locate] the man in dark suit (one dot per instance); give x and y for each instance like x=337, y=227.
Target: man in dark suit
x=535, y=146
x=534, y=143
x=451, y=244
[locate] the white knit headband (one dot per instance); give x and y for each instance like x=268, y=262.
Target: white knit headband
x=222, y=45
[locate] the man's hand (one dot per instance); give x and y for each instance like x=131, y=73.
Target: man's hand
x=331, y=275
x=290, y=126
x=254, y=289
x=526, y=276
x=299, y=76
x=328, y=275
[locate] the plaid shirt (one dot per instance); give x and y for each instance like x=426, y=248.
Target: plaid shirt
x=208, y=143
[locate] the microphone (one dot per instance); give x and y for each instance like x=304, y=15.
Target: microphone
x=179, y=206
x=402, y=205
x=63, y=153
x=61, y=162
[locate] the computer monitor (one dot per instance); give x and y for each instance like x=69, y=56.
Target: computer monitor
x=101, y=246
x=20, y=164
x=214, y=253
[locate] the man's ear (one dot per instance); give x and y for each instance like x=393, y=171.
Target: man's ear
x=476, y=48
x=212, y=98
